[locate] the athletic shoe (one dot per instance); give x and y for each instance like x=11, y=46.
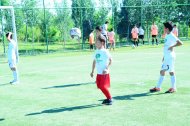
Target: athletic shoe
x=155, y=89
x=104, y=101
x=107, y=102
x=110, y=102
x=171, y=90
x=14, y=82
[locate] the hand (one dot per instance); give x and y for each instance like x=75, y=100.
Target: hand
x=170, y=48
x=105, y=71
x=92, y=74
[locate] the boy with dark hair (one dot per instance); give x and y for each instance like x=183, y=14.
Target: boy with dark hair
x=91, y=40
x=134, y=33
x=105, y=32
x=12, y=57
x=168, y=60
x=154, y=33
x=175, y=30
x=111, y=36
x=102, y=61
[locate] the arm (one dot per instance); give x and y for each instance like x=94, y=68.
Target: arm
x=93, y=67
x=9, y=36
x=179, y=43
x=107, y=68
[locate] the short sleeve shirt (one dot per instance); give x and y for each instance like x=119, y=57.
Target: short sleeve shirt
x=102, y=58
x=169, y=41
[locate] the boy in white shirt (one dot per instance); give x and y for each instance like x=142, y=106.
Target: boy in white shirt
x=102, y=61
x=12, y=57
x=141, y=34
x=170, y=42
x=105, y=32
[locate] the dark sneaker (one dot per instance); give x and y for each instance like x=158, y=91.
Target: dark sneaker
x=14, y=82
x=104, y=101
x=110, y=102
x=155, y=89
x=171, y=90
x=107, y=102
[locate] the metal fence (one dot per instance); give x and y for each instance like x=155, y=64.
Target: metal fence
x=46, y=29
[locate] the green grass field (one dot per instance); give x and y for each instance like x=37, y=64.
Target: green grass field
x=56, y=90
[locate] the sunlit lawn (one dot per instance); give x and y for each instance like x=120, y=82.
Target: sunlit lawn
x=56, y=90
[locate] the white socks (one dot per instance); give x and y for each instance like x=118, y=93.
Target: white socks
x=15, y=75
x=159, y=83
x=173, y=82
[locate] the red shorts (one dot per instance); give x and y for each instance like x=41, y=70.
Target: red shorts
x=103, y=80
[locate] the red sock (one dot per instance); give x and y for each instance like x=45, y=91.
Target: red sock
x=106, y=92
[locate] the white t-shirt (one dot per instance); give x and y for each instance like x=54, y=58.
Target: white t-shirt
x=141, y=31
x=101, y=57
x=169, y=41
x=12, y=52
x=104, y=29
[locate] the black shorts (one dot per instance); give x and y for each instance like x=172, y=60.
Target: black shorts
x=141, y=36
x=154, y=36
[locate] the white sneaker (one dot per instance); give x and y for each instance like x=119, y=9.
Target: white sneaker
x=14, y=82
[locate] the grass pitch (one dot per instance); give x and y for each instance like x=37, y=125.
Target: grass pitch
x=56, y=90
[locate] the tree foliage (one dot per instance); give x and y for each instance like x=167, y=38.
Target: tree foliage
x=86, y=15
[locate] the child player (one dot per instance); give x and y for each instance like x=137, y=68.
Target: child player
x=91, y=40
x=134, y=33
x=170, y=42
x=111, y=37
x=12, y=57
x=141, y=34
x=102, y=61
x=175, y=31
x=154, y=33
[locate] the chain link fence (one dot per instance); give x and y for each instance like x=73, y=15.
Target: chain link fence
x=45, y=29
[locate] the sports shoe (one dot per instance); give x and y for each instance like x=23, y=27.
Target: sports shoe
x=171, y=90
x=155, y=89
x=14, y=82
x=107, y=102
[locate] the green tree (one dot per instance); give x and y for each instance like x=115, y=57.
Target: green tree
x=4, y=2
x=82, y=14
x=63, y=20
x=29, y=16
x=76, y=12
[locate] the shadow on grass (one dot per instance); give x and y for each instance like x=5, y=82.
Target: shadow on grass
x=69, y=85
x=63, y=109
x=1, y=119
x=5, y=84
x=132, y=96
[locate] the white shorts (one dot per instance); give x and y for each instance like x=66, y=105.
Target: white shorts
x=12, y=64
x=168, y=64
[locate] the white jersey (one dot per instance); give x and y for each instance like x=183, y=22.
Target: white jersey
x=12, y=52
x=101, y=57
x=141, y=31
x=75, y=32
x=104, y=29
x=169, y=41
